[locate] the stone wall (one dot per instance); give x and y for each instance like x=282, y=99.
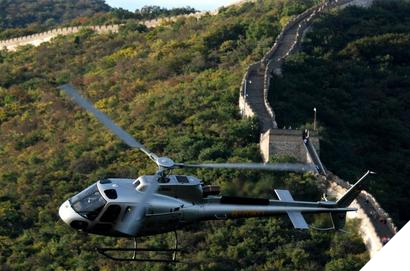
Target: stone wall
x=289, y=142
x=370, y=200
x=272, y=64
x=367, y=210
x=38, y=38
x=283, y=142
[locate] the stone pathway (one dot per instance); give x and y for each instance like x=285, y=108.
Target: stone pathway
x=255, y=98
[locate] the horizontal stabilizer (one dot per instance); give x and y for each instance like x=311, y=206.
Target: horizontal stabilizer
x=297, y=218
x=284, y=195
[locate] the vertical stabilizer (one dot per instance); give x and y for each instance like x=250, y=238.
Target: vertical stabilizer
x=353, y=192
x=339, y=218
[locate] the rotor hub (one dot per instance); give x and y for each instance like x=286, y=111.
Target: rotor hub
x=165, y=162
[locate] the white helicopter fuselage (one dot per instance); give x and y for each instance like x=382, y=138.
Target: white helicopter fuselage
x=179, y=201
x=103, y=206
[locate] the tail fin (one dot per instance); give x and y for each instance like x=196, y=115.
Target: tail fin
x=339, y=218
x=353, y=192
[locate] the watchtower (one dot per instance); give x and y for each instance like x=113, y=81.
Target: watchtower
x=289, y=143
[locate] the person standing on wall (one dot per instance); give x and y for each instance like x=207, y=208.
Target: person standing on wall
x=305, y=135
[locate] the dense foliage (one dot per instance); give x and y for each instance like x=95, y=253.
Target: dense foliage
x=20, y=18
x=25, y=17
x=152, y=12
x=354, y=68
x=123, y=16
x=175, y=88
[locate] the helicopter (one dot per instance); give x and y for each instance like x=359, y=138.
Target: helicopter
x=162, y=202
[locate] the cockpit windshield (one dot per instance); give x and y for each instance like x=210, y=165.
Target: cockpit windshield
x=88, y=203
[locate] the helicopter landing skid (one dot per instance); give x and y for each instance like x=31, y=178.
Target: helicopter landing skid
x=172, y=251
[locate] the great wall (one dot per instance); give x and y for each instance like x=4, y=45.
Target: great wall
x=38, y=38
x=375, y=224
x=253, y=102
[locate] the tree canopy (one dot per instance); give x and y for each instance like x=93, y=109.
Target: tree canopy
x=20, y=13
x=20, y=17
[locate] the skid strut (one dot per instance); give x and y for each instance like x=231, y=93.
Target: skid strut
x=172, y=251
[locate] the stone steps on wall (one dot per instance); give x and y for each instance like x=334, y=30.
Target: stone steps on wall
x=255, y=99
x=255, y=84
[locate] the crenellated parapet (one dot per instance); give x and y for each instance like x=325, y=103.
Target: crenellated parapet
x=38, y=38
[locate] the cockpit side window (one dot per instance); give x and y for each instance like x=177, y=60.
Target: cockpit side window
x=88, y=203
x=111, y=193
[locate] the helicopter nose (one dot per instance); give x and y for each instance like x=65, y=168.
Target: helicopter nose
x=70, y=217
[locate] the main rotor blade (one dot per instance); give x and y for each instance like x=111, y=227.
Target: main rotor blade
x=132, y=222
x=294, y=167
x=104, y=119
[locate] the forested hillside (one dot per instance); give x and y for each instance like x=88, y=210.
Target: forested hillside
x=354, y=67
x=21, y=13
x=175, y=88
x=22, y=17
